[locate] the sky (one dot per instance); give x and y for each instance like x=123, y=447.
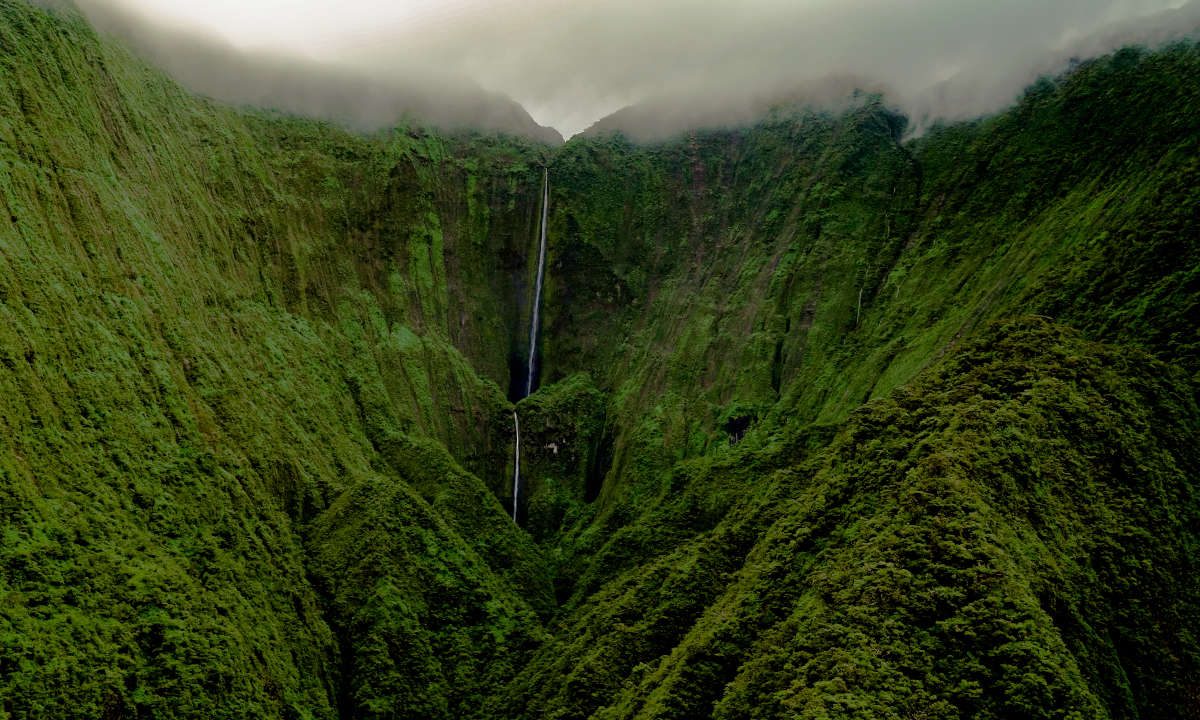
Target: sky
x=571, y=62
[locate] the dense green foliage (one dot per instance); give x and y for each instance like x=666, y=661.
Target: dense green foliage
x=833, y=424
x=216, y=332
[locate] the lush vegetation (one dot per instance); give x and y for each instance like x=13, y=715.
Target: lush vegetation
x=833, y=424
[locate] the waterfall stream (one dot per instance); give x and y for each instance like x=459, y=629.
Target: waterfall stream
x=535, y=319
x=534, y=329
x=516, y=464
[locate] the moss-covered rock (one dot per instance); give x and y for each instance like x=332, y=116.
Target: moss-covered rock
x=564, y=446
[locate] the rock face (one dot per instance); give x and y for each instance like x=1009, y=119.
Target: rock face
x=830, y=424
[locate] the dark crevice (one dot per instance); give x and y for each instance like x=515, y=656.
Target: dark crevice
x=600, y=461
x=516, y=377
x=736, y=427
x=777, y=367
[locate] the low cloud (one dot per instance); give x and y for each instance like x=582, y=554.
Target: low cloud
x=352, y=96
x=571, y=63
x=682, y=62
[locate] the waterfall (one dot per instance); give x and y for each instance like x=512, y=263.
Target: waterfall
x=534, y=327
x=535, y=320
x=516, y=464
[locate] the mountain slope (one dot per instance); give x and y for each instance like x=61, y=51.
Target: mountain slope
x=831, y=424
x=757, y=286
x=1013, y=535
x=217, y=328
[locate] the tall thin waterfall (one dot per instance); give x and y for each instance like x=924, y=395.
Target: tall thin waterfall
x=535, y=320
x=534, y=328
x=516, y=464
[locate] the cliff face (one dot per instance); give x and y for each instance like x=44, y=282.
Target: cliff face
x=832, y=424
x=775, y=312
x=220, y=331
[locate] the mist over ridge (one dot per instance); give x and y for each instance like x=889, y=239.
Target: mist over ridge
x=726, y=62
x=361, y=100
x=650, y=71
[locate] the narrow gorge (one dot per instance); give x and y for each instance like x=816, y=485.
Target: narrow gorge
x=535, y=318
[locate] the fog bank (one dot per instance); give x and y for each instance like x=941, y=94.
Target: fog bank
x=681, y=63
x=358, y=98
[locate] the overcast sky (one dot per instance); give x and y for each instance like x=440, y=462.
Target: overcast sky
x=571, y=62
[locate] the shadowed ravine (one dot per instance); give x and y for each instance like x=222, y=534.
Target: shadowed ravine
x=534, y=331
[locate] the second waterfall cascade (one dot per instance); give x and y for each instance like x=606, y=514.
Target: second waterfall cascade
x=534, y=330
x=516, y=463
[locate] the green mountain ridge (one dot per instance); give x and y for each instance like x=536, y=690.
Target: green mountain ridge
x=831, y=424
